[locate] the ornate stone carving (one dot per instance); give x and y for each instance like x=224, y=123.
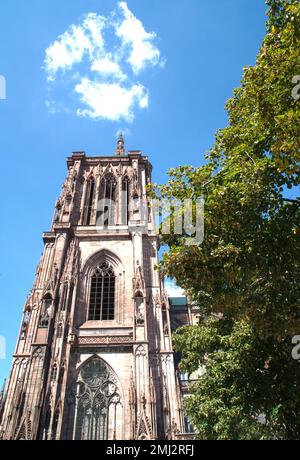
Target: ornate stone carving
x=104, y=340
x=140, y=351
x=97, y=390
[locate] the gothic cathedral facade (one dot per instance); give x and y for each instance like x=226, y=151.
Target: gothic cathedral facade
x=94, y=357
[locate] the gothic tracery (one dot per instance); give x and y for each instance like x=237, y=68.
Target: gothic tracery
x=97, y=398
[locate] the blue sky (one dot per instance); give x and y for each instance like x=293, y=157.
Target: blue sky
x=162, y=74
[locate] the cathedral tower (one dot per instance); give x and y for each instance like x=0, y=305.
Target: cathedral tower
x=94, y=357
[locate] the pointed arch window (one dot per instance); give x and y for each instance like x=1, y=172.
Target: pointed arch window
x=67, y=204
x=107, y=201
x=61, y=375
x=57, y=212
x=125, y=201
x=44, y=318
x=89, y=200
x=139, y=308
x=55, y=423
x=25, y=323
x=54, y=373
x=102, y=294
x=165, y=320
x=98, y=397
x=74, y=181
x=59, y=331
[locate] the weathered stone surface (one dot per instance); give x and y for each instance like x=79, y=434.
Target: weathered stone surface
x=60, y=351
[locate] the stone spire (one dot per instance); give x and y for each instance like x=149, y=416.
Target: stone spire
x=120, y=150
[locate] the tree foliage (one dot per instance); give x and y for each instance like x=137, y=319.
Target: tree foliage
x=248, y=267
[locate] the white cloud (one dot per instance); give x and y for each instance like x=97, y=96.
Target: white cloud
x=107, y=67
x=94, y=25
x=106, y=85
x=71, y=46
x=110, y=100
x=132, y=33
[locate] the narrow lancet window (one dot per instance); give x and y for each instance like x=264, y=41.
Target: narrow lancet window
x=25, y=323
x=125, y=201
x=107, y=202
x=47, y=304
x=89, y=200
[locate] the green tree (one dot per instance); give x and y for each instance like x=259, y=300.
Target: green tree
x=247, y=270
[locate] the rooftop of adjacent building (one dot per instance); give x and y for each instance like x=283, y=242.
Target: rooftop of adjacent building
x=178, y=301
